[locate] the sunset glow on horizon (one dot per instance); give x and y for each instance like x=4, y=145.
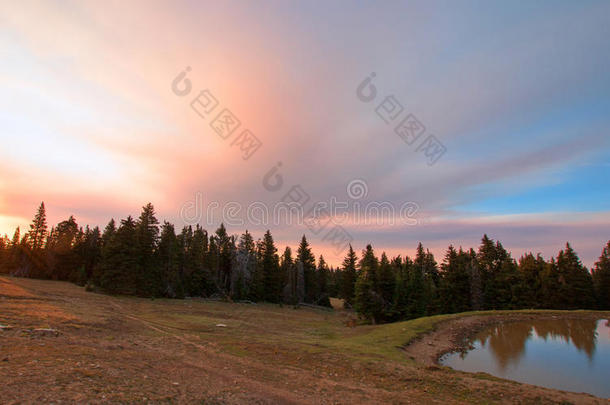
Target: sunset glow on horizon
x=93, y=126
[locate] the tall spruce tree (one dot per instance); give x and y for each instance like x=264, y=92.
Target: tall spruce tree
x=401, y=300
x=368, y=302
x=529, y=288
x=186, y=261
x=32, y=260
x=308, y=262
x=257, y=286
x=455, y=282
x=14, y=252
x=109, y=232
x=498, y=274
x=107, y=236
x=386, y=285
x=575, y=281
x=3, y=254
x=348, y=285
x=149, y=280
x=168, y=260
x=245, y=267
x=419, y=289
x=120, y=260
x=487, y=266
x=601, y=279
x=90, y=252
x=225, y=245
x=289, y=272
x=38, y=229
x=550, y=286
x=431, y=279
x=272, y=278
x=476, y=281
x=322, y=275
x=62, y=258
x=335, y=280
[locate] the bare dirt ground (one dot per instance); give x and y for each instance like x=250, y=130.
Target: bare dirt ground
x=130, y=350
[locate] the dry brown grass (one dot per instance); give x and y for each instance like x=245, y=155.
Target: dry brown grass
x=123, y=349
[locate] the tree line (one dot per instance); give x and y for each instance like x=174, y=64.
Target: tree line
x=145, y=258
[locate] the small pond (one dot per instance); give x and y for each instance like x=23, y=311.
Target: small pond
x=566, y=354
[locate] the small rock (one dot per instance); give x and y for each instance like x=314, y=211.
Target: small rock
x=45, y=332
x=5, y=359
x=175, y=383
x=221, y=325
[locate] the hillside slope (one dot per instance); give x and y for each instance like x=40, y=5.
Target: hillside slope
x=123, y=349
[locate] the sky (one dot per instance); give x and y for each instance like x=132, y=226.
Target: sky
x=516, y=92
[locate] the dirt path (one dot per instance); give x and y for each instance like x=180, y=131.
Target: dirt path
x=228, y=377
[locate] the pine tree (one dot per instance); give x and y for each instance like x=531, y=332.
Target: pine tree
x=550, y=287
x=348, y=284
x=89, y=252
x=575, y=281
x=487, y=265
x=335, y=280
x=498, y=274
x=38, y=229
x=193, y=260
x=431, y=281
x=419, y=299
x=257, y=285
x=601, y=279
x=306, y=258
x=149, y=280
x=62, y=258
x=168, y=259
x=322, y=275
x=108, y=234
x=186, y=260
x=476, y=281
x=31, y=261
x=226, y=258
x=401, y=299
x=213, y=259
x=386, y=285
x=4, y=246
x=506, y=280
x=272, y=278
x=245, y=266
x=455, y=282
x=529, y=293
x=120, y=260
x=14, y=252
x=368, y=302
x=289, y=272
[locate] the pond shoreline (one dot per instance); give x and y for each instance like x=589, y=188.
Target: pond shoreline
x=454, y=334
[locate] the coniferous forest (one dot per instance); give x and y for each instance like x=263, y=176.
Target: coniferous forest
x=145, y=258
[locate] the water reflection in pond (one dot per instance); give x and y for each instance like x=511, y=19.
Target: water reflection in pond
x=567, y=354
